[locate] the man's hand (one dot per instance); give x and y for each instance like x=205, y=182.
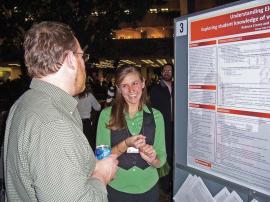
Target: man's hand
x=106, y=168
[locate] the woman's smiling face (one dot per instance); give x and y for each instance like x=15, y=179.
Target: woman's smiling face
x=131, y=89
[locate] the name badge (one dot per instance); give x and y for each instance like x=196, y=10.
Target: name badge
x=132, y=150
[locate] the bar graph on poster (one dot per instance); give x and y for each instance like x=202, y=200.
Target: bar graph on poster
x=229, y=94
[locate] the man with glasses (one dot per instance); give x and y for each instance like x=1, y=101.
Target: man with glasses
x=85, y=56
x=46, y=154
x=162, y=96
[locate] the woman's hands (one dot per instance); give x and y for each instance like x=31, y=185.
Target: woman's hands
x=136, y=141
x=149, y=154
x=147, y=151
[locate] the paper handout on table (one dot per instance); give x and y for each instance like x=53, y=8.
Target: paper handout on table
x=222, y=195
x=225, y=196
x=184, y=188
x=234, y=197
x=193, y=190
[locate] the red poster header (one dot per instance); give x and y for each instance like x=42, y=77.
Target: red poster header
x=244, y=38
x=203, y=87
x=202, y=106
x=242, y=21
x=205, y=43
x=245, y=113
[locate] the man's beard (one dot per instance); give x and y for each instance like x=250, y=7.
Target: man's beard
x=167, y=78
x=80, y=81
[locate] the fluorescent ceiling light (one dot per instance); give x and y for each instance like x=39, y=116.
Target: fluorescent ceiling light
x=11, y=64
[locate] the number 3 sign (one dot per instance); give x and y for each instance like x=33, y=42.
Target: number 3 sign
x=181, y=28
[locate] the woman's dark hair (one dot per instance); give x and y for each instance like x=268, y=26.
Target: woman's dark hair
x=119, y=107
x=86, y=91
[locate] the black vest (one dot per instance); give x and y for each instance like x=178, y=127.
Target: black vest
x=128, y=160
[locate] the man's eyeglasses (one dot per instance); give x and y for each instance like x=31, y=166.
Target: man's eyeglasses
x=85, y=56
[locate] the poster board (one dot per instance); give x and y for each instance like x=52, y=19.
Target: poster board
x=222, y=94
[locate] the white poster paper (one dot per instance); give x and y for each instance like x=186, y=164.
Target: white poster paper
x=229, y=94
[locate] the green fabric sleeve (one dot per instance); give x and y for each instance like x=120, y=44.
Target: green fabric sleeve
x=103, y=133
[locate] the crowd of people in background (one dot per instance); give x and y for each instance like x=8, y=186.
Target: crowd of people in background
x=103, y=88
x=87, y=102
x=100, y=93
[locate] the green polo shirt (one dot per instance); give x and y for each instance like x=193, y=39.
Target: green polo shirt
x=134, y=180
x=47, y=157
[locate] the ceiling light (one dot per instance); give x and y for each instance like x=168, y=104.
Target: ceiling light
x=164, y=9
x=11, y=64
x=147, y=61
x=128, y=62
x=161, y=61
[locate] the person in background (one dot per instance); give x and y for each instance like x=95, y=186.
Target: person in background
x=46, y=155
x=111, y=92
x=162, y=97
x=87, y=101
x=135, y=132
x=100, y=88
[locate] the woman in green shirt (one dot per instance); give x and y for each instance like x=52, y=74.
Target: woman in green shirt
x=136, y=134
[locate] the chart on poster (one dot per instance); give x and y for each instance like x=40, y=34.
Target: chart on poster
x=229, y=94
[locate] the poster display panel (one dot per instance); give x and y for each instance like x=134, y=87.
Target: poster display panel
x=229, y=94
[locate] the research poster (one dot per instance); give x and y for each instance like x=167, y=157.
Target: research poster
x=229, y=94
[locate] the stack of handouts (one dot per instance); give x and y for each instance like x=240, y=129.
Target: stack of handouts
x=225, y=196
x=194, y=190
